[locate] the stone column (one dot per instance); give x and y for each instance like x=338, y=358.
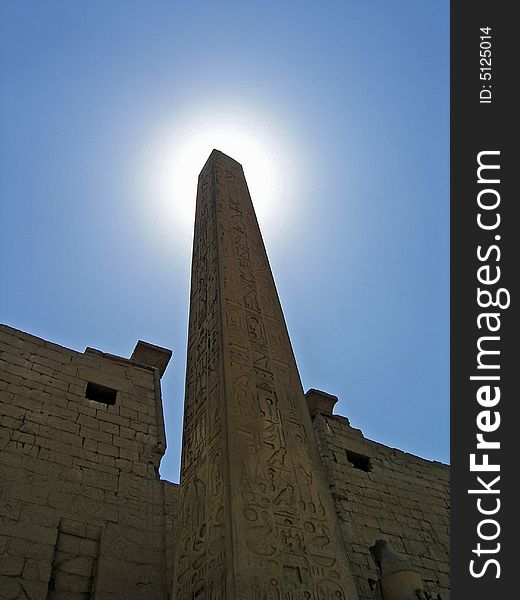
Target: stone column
x=257, y=520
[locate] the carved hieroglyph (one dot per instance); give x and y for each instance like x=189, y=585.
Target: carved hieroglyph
x=257, y=521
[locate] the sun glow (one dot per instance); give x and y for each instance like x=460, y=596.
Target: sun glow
x=176, y=159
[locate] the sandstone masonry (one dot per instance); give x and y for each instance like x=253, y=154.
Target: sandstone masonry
x=83, y=511
x=381, y=492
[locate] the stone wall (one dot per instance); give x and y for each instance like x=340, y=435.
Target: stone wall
x=82, y=508
x=381, y=492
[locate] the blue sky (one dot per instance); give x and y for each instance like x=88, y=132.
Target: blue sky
x=339, y=112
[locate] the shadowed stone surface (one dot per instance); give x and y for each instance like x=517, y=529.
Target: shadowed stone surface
x=257, y=519
x=382, y=492
x=83, y=513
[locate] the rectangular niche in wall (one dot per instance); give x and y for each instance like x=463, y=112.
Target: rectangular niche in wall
x=100, y=393
x=75, y=560
x=359, y=461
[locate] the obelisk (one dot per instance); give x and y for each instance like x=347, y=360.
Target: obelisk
x=256, y=518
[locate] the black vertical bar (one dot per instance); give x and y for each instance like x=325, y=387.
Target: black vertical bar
x=482, y=120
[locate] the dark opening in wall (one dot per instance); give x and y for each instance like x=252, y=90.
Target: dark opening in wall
x=359, y=461
x=100, y=393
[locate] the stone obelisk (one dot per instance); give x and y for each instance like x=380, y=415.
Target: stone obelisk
x=256, y=519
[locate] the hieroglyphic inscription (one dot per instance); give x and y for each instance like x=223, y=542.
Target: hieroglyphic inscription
x=257, y=515
x=201, y=557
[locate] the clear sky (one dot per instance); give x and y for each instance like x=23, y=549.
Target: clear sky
x=339, y=113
